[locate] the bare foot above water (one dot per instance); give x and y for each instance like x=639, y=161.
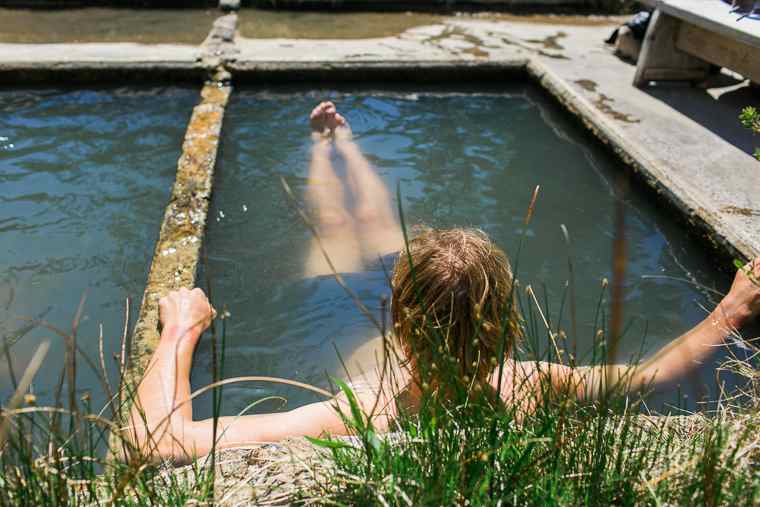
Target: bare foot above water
x=325, y=121
x=323, y=118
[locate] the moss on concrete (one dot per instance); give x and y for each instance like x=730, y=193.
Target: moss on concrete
x=176, y=255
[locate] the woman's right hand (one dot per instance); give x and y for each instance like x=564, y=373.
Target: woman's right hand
x=742, y=303
x=183, y=311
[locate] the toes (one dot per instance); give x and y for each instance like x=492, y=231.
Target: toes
x=319, y=110
x=326, y=115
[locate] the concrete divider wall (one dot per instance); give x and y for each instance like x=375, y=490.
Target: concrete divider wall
x=175, y=258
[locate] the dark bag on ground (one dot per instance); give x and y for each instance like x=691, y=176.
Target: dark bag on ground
x=628, y=37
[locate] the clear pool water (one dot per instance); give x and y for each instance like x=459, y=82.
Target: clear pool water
x=461, y=159
x=84, y=179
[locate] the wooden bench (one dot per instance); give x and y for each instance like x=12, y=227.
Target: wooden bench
x=685, y=36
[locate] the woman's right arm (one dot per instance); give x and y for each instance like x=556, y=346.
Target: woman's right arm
x=197, y=439
x=162, y=422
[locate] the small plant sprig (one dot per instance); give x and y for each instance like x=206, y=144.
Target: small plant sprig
x=750, y=118
x=747, y=268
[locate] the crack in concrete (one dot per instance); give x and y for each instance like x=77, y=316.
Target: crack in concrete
x=603, y=103
x=737, y=210
x=550, y=42
x=219, y=47
x=514, y=42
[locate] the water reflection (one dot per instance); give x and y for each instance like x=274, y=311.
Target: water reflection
x=85, y=177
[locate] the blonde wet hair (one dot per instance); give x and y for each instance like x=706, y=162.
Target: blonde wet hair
x=452, y=302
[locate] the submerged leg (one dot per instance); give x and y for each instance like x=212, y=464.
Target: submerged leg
x=378, y=229
x=326, y=198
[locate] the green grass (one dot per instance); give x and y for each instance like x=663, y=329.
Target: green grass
x=458, y=449
x=466, y=449
x=750, y=118
x=563, y=454
x=57, y=454
x=470, y=452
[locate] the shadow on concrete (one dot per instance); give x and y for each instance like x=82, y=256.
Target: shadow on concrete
x=716, y=107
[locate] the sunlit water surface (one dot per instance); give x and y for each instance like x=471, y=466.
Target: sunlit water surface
x=460, y=160
x=84, y=180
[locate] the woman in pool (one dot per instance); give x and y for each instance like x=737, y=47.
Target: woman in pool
x=458, y=278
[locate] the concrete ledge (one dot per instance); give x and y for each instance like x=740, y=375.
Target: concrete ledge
x=81, y=73
x=406, y=71
x=78, y=63
x=98, y=52
x=175, y=259
x=725, y=239
x=422, y=5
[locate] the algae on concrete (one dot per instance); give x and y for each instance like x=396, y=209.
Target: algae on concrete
x=175, y=260
x=146, y=26
x=266, y=24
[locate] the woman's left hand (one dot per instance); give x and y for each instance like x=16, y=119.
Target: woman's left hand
x=742, y=302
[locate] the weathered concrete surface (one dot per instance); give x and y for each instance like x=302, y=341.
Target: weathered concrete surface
x=229, y=5
x=219, y=46
x=103, y=24
x=24, y=63
x=414, y=71
x=441, y=42
x=98, y=52
x=175, y=259
x=265, y=474
x=428, y=4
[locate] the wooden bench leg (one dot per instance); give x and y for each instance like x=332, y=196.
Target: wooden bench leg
x=661, y=60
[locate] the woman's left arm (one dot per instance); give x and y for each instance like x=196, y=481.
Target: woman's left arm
x=673, y=361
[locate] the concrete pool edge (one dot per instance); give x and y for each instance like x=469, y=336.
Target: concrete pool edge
x=724, y=239
x=730, y=242
x=81, y=63
x=423, y=71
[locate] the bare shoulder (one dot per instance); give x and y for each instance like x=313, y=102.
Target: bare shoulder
x=376, y=402
x=523, y=382
x=516, y=373
x=368, y=360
